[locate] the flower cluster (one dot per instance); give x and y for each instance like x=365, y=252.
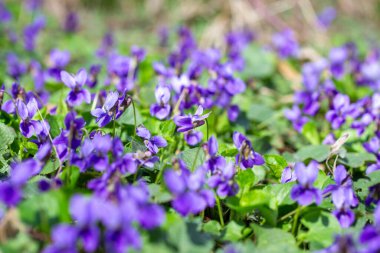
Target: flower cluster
x=95, y=218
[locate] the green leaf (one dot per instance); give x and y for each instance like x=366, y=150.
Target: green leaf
x=7, y=136
x=186, y=236
x=245, y=178
x=281, y=192
x=259, y=112
x=232, y=232
x=322, y=227
x=212, y=227
x=276, y=164
x=356, y=160
x=315, y=152
x=158, y=193
x=310, y=132
x=271, y=240
x=21, y=243
x=257, y=198
x=230, y=152
x=374, y=178
x=193, y=157
x=127, y=118
x=264, y=202
x=50, y=166
x=260, y=63
x=167, y=128
x=45, y=209
x=55, y=128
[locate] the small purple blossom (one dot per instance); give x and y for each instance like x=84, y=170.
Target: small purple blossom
x=247, y=157
x=339, y=111
x=153, y=143
x=161, y=110
x=285, y=44
x=304, y=192
x=78, y=94
x=223, y=180
x=28, y=126
x=187, y=188
x=108, y=111
x=189, y=122
x=295, y=116
x=288, y=175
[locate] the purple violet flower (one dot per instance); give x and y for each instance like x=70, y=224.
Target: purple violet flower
x=295, y=116
x=108, y=111
x=187, y=188
x=189, y=122
x=152, y=143
x=223, y=180
x=193, y=138
x=304, y=192
x=339, y=111
x=78, y=94
x=247, y=157
x=288, y=175
x=28, y=126
x=286, y=44
x=370, y=235
x=161, y=110
x=326, y=17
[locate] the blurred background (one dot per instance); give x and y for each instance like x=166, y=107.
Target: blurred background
x=318, y=23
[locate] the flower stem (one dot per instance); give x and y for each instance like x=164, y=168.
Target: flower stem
x=295, y=221
x=136, y=174
x=114, y=126
x=195, y=159
x=206, y=129
x=219, y=210
x=160, y=173
x=134, y=117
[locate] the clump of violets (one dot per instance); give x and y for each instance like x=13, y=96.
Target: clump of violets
x=188, y=189
x=342, y=243
x=339, y=111
x=285, y=44
x=213, y=160
x=370, y=235
x=326, y=17
x=247, y=157
x=296, y=117
x=20, y=173
x=57, y=62
x=116, y=217
x=343, y=196
x=304, y=192
x=78, y=93
x=70, y=138
x=31, y=32
x=222, y=180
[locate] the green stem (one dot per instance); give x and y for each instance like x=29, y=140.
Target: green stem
x=114, y=127
x=219, y=210
x=134, y=117
x=195, y=159
x=160, y=173
x=295, y=222
x=135, y=176
x=206, y=129
x=289, y=214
